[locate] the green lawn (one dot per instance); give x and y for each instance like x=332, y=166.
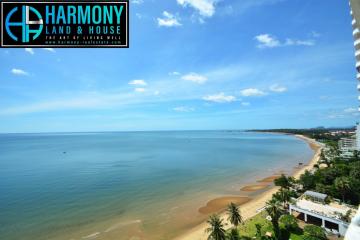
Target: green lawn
x=294, y=236
x=248, y=229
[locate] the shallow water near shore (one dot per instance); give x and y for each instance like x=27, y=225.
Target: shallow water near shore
x=129, y=185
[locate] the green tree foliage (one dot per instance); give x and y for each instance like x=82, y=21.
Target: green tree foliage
x=258, y=234
x=216, y=229
x=234, y=214
x=341, y=180
x=312, y=232
x=288, y=222
x=342, y=184
x=326, y=157
x=283, y=196
x=355, y=170
x=308, y=180
x=233, y=234
x=284, y=182
x=273, y=209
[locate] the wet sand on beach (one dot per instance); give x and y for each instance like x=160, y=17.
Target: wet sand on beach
x=218, y=204
x=254, y=188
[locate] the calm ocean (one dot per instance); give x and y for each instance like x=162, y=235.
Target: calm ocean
x=128, y=185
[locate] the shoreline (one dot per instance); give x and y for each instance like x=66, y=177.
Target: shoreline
x=255, y=205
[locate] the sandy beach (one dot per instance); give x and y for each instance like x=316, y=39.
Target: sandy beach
x=254, y=188
x=250, y=208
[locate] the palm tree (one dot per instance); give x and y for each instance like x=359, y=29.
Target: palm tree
x=284, y=196
x=273, y=209
x=342, y=184
x=234, y=214
x=284, y=181
x=216, y=229
x=233, y=234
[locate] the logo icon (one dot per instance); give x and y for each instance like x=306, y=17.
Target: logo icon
x=25, y=29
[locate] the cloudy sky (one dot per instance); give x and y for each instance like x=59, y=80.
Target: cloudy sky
x=193, y=64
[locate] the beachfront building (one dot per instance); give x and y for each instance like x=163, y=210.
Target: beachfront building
x=315, y=208
x=347, y=146
x=355, y=14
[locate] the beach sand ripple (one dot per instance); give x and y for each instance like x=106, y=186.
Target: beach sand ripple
x=218, y=204
x=254, y=188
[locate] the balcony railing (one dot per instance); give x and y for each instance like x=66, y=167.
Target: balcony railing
x=357, y=42
x=356, y=31
x=357, y=53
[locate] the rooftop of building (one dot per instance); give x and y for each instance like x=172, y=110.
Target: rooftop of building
x=317, y=195
x=315, y=202
x=333, y=209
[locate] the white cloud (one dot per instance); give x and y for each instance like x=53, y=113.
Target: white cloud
x=252, y=92
x=294, y=42
x=168, y=20
x=345, y=113
x=174, y=73
x=140, y=90
x=206, y=8
x=17, y=71
x=220, y=98
x=183, y=109
x=350, y=110
x=315, y=34
x=267, y=41
x=83, y=100
x=194, y=77
x=30, y=50
x=49, y=49
x=277, y=88
x=137, y=2
x=138, y=82
x=245, y=104
x=53, y=105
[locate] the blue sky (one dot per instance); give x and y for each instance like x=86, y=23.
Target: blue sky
x=193, y=64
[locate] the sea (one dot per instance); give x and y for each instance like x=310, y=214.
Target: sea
x=129, y=185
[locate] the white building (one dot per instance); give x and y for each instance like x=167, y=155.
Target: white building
x=312, y=208
x=355, y=13
x=347, y=146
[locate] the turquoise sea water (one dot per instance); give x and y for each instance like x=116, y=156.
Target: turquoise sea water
x=128, y=185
